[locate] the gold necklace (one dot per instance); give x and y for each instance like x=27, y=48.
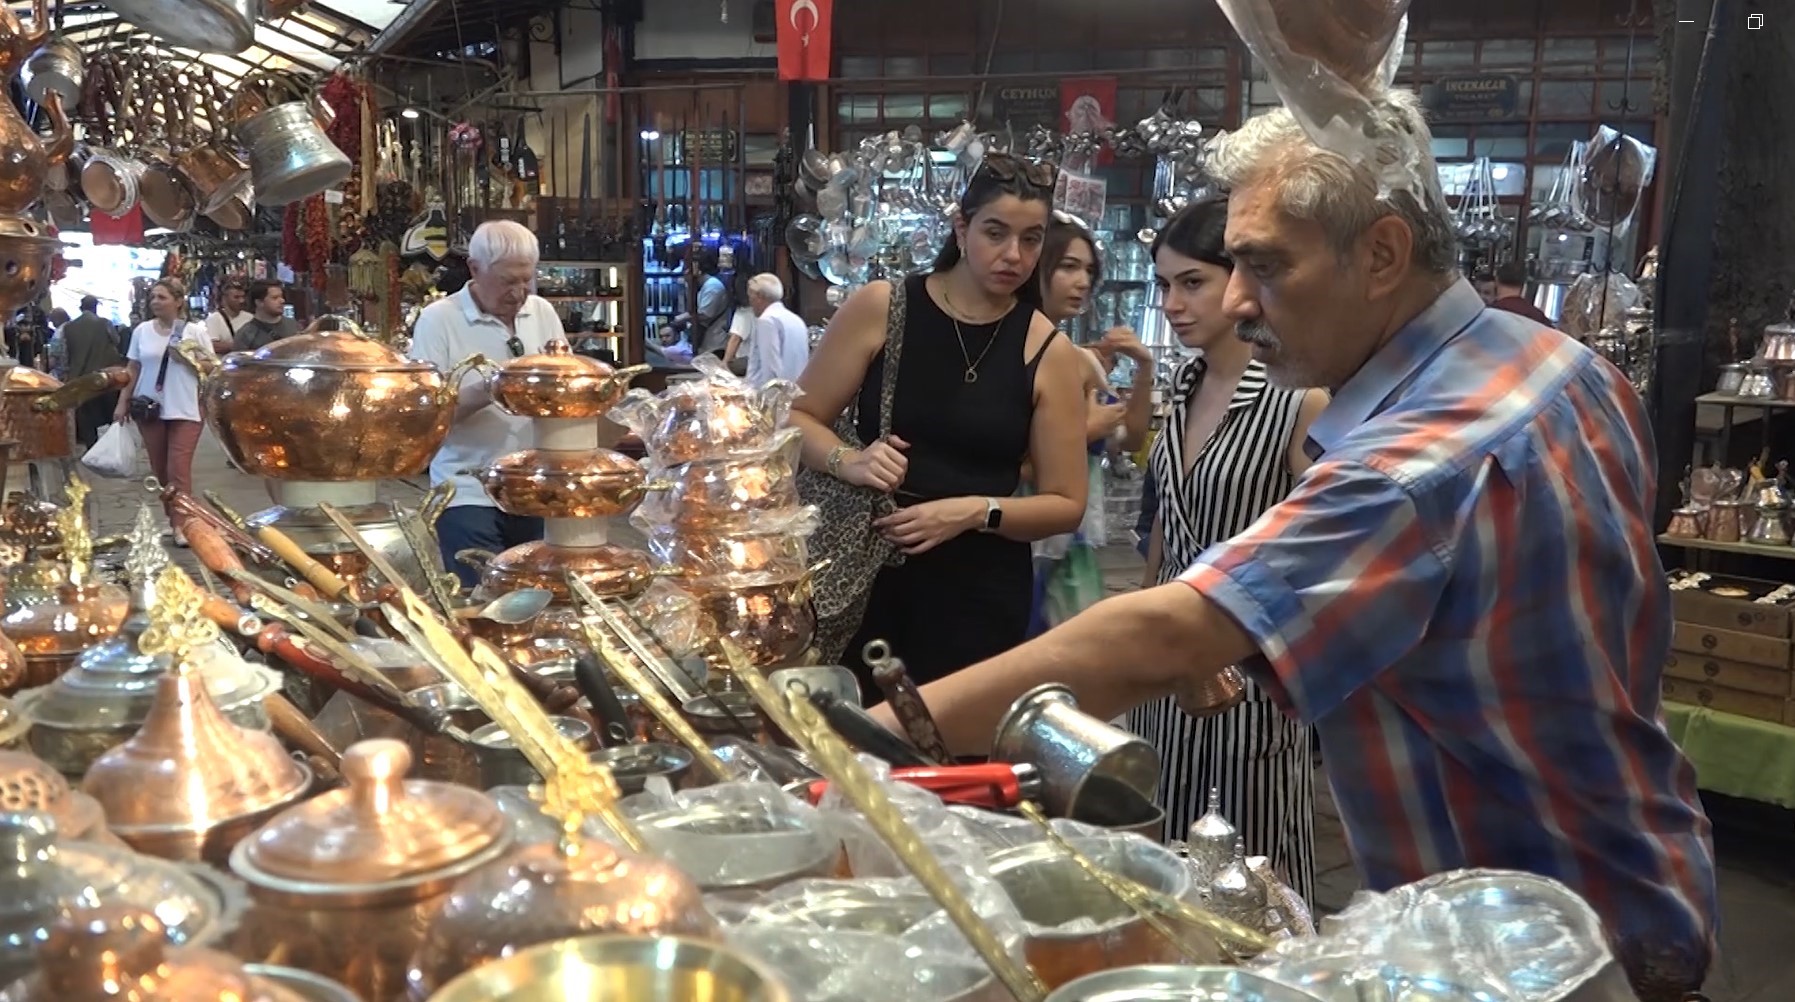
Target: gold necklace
x=972, y=364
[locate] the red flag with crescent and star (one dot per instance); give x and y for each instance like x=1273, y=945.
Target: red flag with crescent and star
x=805, y=29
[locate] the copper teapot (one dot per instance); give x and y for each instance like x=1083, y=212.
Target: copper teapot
x=28, y=160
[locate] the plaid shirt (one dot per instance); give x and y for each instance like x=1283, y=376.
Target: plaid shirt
x=1464, y=596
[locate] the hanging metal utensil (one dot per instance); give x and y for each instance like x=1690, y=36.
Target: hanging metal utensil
x=585, y=188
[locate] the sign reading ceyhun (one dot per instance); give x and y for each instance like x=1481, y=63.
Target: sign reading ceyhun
x=1024, y=106
x=1487, y=97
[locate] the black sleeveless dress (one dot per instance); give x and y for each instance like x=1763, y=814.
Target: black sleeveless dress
x=969, y=598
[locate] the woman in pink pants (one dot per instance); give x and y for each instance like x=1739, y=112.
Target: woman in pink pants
x=164, y=397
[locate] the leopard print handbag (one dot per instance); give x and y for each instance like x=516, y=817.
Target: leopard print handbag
x=845, y=536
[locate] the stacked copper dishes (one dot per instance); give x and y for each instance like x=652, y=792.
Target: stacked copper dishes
x=191, y=784
x=48, y=875
x=567, y=480
x=729, y=525
x=120, y=954
x=326, y=416
x=345, y=884
x=553, y=891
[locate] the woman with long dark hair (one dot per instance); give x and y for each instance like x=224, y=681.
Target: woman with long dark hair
x=1232, y=448
x=982, y=381
x=1068, y=578
x=164, y=398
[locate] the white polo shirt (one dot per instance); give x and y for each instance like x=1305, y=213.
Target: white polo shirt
x=451, y=329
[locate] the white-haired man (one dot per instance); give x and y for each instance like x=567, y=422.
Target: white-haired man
x=780, y=344
x=1462, y=594
x=494, y=315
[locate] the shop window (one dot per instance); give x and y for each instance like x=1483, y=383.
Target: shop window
x=1614, y=55
x=949, y=63
x=1262, y=92
x=1451, y=142
x=1508, y=179
x=1539, y=189
x=759, y=150
x=1508, y=54
x=906, y=66
x=1170, y=59
x=902, y=109
x=1211, y=104
x=1570, y=53
x=1063, y=62
x=949, y=109
x=857, y=109
x=1623, y=97
x=1212, y=59
x=1449, y=55
x=1409, y=51
x=1120, y=59
x=859, y=66
x=1566, y=98
x=1552, y=140
x=1500, y=142
x=1012, y=62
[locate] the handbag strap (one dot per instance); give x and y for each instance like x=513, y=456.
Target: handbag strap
x=167, y=350
x=894, y=350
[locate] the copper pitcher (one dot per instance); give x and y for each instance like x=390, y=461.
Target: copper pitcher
x=27, y=159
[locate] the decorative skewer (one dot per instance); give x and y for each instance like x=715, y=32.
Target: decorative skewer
x=893, y=679
x=835, y=760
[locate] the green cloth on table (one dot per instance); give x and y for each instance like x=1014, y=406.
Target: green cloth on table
x=1736, y=756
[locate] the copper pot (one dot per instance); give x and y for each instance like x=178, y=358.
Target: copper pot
x=345, y=884
x=729, y=495
x=564, y=484
x=191, y=784
x=28, y=157
x=715, y=419
x=91, y=954
x=559, y=384
x=167, y=196
x=216, y=174
x=237, y=212
x=110, y=181
x=778, y=551
x=330, y=406
x=768, y=617
x=53, y=620
x=290, y=157
x=551, y=892
x=26, y=255
x=35, y=434
x=610, y=571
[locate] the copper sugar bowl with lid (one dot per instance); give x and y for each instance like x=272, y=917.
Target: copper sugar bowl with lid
x=557, y=383
x=121, y=954
x=345, y=884
x=191, y=784
x=53, y=618
x=330, y=406
x=546, y=483
x=551, y=891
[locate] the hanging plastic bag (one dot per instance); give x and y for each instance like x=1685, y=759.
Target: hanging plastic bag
x=118, y=454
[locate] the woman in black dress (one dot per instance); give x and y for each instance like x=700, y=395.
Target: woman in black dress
x=983, y=380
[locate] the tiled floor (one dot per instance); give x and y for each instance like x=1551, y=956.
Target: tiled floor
x=1757, y=881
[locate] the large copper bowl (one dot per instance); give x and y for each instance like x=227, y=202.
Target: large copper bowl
x=610, y=571
x=559, y=384
x=595, y=483
x=36, y=435
x=769, y=617
x=330, y=406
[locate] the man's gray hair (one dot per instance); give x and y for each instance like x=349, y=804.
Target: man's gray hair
x=502, y=240
x=1346, y=197
x=767, y=286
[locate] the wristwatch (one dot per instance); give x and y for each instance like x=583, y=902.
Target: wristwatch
x=993, y=515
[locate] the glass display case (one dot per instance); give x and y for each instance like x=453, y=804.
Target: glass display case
x=596, y=303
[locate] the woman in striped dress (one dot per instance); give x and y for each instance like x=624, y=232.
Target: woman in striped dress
x=1232, y=448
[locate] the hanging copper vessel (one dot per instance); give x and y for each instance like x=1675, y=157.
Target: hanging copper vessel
x=27, y=159
x=345, y=884
x=559, y=384
x=191, y=783
x=550, y=892
x=35, y=434
x=119, y=954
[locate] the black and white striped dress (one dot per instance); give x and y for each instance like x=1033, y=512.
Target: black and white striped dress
x=1253, y=753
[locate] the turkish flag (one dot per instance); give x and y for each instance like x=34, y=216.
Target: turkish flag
x=805, y=28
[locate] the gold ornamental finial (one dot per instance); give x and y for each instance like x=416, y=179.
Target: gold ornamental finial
x=71, y=525
x=177, y=627
x=146, y=558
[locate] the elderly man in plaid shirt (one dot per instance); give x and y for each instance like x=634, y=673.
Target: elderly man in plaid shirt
x=1462, y=594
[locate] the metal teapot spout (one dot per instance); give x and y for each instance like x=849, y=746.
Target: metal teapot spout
x=62, y=134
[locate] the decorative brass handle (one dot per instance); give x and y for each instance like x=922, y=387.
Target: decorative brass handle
x=456, y=374
x=77, y=391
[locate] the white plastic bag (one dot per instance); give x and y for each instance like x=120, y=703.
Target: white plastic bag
x=119, y=453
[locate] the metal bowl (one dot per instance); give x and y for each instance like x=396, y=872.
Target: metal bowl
x=1164, y=983
x=618, y=969
x=739, y=848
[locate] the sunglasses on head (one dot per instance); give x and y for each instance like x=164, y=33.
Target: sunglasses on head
x=1005, y=167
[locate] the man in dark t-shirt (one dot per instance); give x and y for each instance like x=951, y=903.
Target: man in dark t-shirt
x=269, y=323
x=1511, y=287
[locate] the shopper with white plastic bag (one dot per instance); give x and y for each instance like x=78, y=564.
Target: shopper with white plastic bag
x=118, y=454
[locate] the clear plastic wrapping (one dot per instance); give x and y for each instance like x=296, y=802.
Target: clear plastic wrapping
x=1598, y=299
x=1616, y=171
x=738, y=838
x=714, y=417
x=776, y=544
x=749, y=491
x=1486, y=935
x=1327, y=58
x=820, y=965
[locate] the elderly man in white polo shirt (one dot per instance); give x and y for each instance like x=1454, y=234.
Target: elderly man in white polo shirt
x=494, y=315
x=780, y=346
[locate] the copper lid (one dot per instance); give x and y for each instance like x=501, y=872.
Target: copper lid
x=28, y=783
x=610, y=571
x=329, y=350
x=556, y=359
x=190, y=770
x=120, y=954
x=382, y=833
x=540, y=463
x=24, y=379
x=26, y=228
x=549, y=892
